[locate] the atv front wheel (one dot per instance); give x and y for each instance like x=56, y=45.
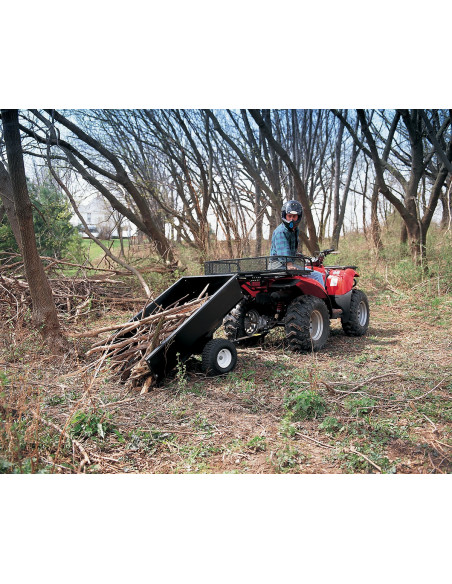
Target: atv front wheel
x=219, y=356
x=243, y=321
x=358, y=321
x=307, y=324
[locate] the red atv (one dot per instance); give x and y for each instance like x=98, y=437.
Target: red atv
x=275, y=295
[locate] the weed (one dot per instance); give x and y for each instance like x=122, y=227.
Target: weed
x=359, y=406
x=195, y=455
x=256, y=444
x=195, y=389
x=286, y=427
x=71, y=396
x=179, y=414
x=305, y=405
x=91, y=424
x=20, y=440
x=437, y=409
x=246, y=386
x=331, y=425
x=25, y=466
x=55, y=400
x=181, y=373
x=386, y=430
x=353, y=462
x=4, y=379
x=149, y=441
x=202, y=423
x=287, y=458
x=235, y=445
x=243, y=382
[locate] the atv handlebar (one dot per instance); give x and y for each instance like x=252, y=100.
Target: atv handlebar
x=318, y=259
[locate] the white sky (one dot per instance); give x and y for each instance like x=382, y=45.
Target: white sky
x=203, y=54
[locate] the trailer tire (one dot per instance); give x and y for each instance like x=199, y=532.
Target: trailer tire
x=358, y=321
x=307, y=324
x=218, y=357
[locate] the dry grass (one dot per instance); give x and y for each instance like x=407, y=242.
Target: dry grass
x=387, y=398
x=379, y=403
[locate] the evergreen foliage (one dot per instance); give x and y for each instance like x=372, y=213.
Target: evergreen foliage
x=51, y=218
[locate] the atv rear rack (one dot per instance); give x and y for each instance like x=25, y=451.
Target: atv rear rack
x=259, y=265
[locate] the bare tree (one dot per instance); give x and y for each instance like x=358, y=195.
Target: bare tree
x=340, y=195
x=403, y=138
x=44, y=314
x=98, y=165
x=311, y=241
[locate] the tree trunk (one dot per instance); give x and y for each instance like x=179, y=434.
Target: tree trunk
x=446, y=201
x=44, y=314
x=374, y=223
x=337, y=187
x=257, y=211
x=7, y=199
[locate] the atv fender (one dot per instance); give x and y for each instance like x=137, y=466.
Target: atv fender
x=290, y=289
x=299, y=286
x=342, y=301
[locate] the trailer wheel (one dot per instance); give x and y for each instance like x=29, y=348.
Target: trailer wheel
x=219, y=357
x=307, y=324
x=358, y=322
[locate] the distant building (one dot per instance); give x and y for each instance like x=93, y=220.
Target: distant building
x=101, y=220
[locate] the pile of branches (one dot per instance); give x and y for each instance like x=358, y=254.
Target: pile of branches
x=124, y=352
x=73, y=296
x=12, y=265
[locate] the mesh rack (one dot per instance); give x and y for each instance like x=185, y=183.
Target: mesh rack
x=258, y=265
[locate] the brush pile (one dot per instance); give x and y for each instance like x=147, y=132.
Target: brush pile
x=90, y=288
x=124, y=352
x=73, y=297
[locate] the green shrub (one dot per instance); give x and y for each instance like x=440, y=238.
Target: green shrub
x=287, y=458
x=91, y=423
x=286, y=427
x=359, y=406
x=305, y=405
x=256, y=444
x=330, y=425
x=55, y=235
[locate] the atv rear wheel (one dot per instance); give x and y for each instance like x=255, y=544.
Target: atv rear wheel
x=243, y=321
x=307, y=324
x=358, y=322
x=218, y=357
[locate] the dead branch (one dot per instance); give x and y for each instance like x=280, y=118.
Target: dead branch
x=125, y=351
x=85, y=458
x=330, y=384
x=127, y=327
x=430, y=391
x=73, y=297
x=313, y=440
x=353, y=449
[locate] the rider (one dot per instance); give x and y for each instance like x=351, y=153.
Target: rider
x=285, y=237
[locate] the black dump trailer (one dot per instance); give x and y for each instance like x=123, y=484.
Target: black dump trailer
x=195, y=335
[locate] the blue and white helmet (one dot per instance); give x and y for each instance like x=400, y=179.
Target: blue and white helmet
x=294, y=208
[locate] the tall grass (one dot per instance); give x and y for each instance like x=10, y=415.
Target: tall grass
x=392, y=266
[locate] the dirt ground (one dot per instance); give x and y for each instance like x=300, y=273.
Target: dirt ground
x=380, y=404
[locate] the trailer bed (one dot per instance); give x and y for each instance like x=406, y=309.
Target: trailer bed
x=224, y=292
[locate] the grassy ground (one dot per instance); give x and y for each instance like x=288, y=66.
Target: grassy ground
x=376, y=404
x=95, y=253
